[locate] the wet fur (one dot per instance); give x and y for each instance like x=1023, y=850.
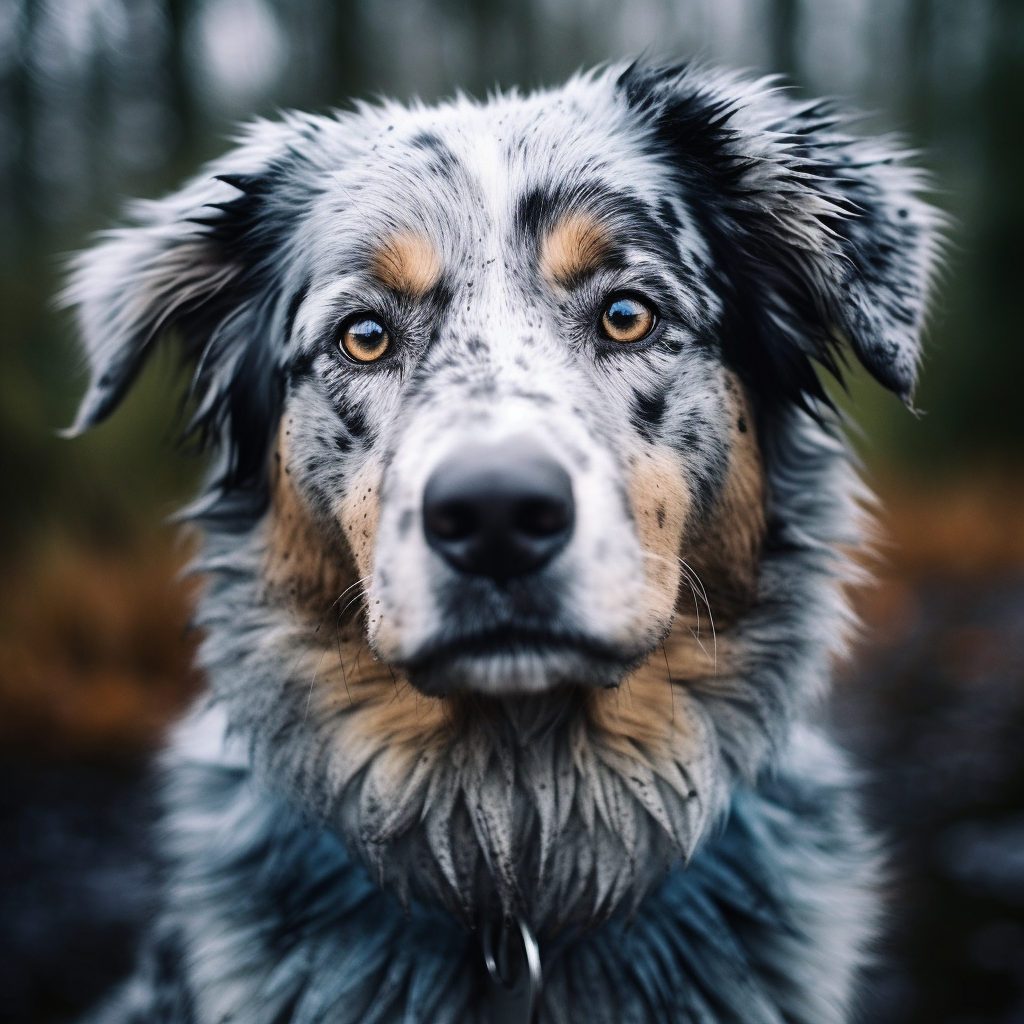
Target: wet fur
x=343, y=808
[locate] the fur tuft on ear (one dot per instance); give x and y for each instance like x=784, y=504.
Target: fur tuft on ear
x=203, y=263
x=820, y=236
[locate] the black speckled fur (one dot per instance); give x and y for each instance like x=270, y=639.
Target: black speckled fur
x=316, y=874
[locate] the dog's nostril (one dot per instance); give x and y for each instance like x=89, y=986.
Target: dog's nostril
x=453, y=520
x=543, y=517
x=500, y=510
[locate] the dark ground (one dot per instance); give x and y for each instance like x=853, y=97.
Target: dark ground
x=936, y=718
x=933, y=709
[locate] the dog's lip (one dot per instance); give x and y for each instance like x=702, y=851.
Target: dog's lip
x=516, y=640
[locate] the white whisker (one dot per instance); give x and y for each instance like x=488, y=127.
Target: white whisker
x=671, y=685
x=351, y=586
x=309, y=696
x=352, y=601
x=690, y=575
x=341, y=658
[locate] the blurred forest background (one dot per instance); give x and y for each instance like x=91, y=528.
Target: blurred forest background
x=105, y=99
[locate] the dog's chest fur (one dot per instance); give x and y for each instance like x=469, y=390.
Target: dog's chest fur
x=593, y=717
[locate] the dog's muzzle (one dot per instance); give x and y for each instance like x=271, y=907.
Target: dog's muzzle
x=499, y=516
x=498, y=511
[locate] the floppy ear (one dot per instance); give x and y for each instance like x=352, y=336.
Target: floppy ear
x=205, y=263
x=818, y=237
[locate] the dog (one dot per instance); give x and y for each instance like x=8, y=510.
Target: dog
x=527, y=529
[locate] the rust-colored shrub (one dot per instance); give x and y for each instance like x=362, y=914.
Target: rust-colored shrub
x=95, y=650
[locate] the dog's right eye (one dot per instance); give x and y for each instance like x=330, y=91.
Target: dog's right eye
x=365, y=339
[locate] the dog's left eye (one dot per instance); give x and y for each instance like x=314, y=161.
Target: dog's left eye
x=365, y=339
x=627, y=318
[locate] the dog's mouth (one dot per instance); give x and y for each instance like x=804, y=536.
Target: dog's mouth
x=516, y=660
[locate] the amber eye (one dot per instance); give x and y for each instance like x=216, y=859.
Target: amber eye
x=626, y=319
x=365, y=339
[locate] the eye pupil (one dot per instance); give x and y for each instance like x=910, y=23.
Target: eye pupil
x=624, y=313
x=627, y=319
x=366, y=340
x=368, y=333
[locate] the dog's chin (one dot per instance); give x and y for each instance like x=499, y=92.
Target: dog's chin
x=517, y=666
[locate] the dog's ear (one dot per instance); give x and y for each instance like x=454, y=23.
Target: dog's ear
x=819, y=238
x=205, y=263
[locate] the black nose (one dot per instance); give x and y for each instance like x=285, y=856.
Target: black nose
x=499, y=511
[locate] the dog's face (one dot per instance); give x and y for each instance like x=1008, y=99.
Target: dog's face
x=509, y=399
x=515, y=394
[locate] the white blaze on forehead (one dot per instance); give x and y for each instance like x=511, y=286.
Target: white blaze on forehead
x=484, y=155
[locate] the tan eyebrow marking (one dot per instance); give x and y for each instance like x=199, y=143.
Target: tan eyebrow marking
x=407, y=263
x=573, y=248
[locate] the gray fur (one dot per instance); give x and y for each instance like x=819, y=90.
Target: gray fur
x=724, y=877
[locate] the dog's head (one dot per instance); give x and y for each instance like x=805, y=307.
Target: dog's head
x=529, y=384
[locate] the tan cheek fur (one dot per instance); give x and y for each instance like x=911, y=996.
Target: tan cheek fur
x=573, y=248
x=727, y=550
x=307, y=564
x=723, y=555
x=407, y=263
x=648, y=712
x=383, y=711
x=359, y=514
x=309, y=571
x=304, y=566
x=660, y=502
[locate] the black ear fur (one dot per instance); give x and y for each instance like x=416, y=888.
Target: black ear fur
x=201, y=263
x=818, y=237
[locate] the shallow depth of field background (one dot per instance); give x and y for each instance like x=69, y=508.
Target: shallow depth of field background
x=104, y=99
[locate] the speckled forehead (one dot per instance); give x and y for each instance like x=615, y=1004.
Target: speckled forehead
x=514, y=145
x=459, y=175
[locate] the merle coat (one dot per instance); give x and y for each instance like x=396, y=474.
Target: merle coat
x=641, y=275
